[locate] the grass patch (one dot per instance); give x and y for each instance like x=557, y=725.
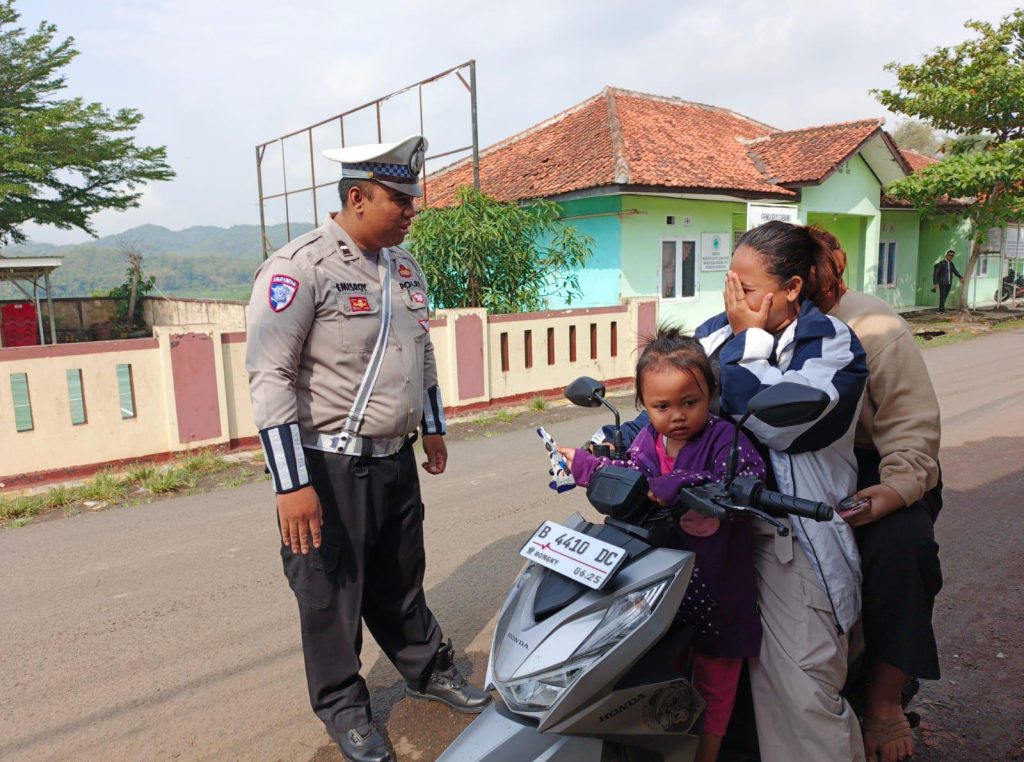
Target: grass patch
x=198, y=464
x=140, y=473
x=169, y=480
x=945, y=339
x=14, y=509
x=104, y=487
x=1009, y=325
x=538, y=404
x=61, y=496
x=19, y=522
x=506, y=416
x=234, y=481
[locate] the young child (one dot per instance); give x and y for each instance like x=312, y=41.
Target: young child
x=684, y=446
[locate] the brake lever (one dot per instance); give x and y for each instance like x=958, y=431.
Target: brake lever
x=717, y=503
x=780, y=528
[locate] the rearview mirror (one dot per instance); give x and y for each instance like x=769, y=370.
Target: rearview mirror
x=788, y=404
x=585, y=392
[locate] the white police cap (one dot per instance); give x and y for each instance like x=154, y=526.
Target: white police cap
x=396, y=165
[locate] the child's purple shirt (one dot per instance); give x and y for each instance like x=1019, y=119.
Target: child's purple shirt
x=721, y=601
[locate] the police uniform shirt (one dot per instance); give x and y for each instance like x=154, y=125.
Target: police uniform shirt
x=313, y=321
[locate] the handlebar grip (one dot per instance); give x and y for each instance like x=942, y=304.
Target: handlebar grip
x=796, y=506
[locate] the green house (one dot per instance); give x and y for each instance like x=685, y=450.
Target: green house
x=666, y=186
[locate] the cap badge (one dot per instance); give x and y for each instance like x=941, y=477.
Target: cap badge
x=282, y=292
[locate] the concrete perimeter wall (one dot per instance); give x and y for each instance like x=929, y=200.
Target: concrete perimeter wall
x=188, y=386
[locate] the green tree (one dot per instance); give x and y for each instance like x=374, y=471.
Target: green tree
x=975, y=91
x=915, y=135
x=61, y=160
x=504, y=257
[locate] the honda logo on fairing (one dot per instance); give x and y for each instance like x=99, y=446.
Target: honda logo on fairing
x=621, y=708
x=516, y=640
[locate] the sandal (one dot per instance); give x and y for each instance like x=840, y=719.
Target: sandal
x=886, y=732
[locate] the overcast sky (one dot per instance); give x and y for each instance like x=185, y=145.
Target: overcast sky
x=215, y=77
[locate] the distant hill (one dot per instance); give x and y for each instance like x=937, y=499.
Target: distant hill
x=203, y=261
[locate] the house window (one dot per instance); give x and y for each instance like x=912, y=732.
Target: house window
x=886, y=275
x=982, y=265
x=22, y=403
x=76, y=396
x=678, y=269
x=670, y=220
x=126, y=390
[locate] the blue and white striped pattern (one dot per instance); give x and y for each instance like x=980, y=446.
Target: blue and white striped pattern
x=433, y=412
x=816, y=351
x=282, y=450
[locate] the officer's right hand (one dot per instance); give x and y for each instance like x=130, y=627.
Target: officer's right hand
x=300, y=516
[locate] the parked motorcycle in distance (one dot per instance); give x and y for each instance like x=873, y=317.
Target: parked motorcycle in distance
x=1011, y=287
x=583, y=652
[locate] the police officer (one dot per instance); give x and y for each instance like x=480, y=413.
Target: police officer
x=342, y=372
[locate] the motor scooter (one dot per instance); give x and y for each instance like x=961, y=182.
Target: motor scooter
x=586, y=641
x=1011, y=287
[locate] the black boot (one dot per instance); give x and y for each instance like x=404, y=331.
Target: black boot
x=364, y=744
x=447, y=685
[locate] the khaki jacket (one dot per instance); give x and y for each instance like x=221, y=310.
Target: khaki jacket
x=313, y=321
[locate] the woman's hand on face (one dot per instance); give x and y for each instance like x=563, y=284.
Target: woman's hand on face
x=741, y=315
x=883, y=501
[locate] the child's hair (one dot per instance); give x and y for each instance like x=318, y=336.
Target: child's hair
x=790, y=250
x=671, y=347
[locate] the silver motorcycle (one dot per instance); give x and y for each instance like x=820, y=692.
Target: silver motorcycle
x=584, y=651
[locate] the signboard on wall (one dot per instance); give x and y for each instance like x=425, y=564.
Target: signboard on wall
x=715, y=251
x=758, y=214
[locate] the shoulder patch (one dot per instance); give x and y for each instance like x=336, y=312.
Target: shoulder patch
x=282, y=292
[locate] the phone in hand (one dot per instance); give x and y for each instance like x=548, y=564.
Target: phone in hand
x=852, y=504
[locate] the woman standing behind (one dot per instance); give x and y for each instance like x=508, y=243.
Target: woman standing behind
x=897, y=447
x=809, y=590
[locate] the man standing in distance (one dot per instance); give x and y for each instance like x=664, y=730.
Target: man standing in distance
x=942, y=278
x=342, y=372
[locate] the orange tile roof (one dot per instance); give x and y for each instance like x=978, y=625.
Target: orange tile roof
x=570, y=151
x=917, y=160
x=625, y=138
x=812, y=154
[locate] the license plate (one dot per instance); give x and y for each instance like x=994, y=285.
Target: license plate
x=572, y=554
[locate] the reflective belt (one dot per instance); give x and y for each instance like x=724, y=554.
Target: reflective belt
x=353, y=445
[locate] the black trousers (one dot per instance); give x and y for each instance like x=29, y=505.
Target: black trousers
x=369, y=567
x=943, y=294
x=902, y=575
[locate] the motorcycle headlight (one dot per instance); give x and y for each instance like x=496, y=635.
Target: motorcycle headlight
x=623, y=617
x=539, y=692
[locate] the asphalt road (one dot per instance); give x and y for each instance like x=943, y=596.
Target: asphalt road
x=168, y=632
